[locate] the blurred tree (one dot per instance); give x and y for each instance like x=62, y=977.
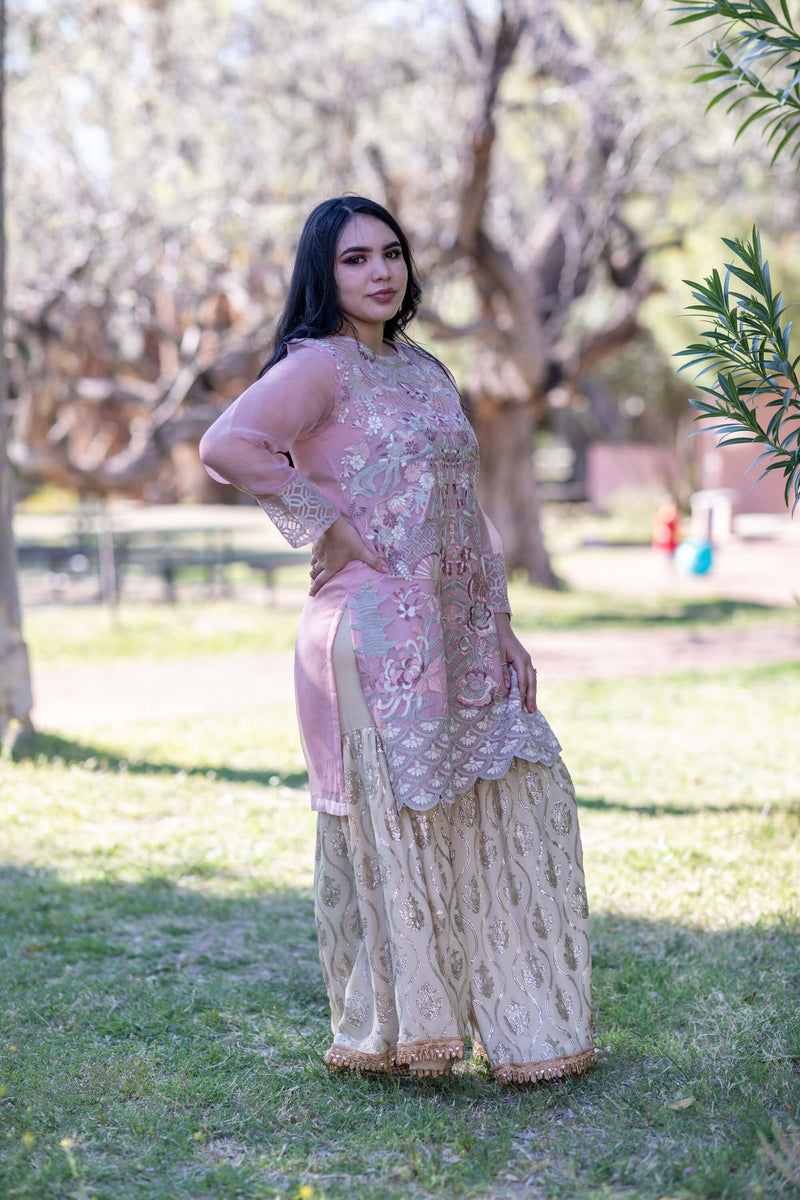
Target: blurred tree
x=755, y=393
x=169, y=149
x=15, y=683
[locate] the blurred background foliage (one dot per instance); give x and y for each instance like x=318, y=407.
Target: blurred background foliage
x=552, y=163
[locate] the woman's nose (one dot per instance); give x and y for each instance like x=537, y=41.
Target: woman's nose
x=380, y=269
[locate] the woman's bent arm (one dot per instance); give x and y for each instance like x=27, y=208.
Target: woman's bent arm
x=247, y=445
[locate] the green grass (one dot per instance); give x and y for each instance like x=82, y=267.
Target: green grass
x=163, y=1008
x=540, y=610
x=87, y=633
x=90, y=633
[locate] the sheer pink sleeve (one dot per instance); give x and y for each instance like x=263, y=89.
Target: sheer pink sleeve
x=493, y=564
x=247, y=445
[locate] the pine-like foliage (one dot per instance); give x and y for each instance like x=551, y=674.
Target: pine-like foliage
x=746, y=341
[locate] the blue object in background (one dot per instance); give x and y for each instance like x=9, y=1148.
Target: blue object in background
x=694, y=557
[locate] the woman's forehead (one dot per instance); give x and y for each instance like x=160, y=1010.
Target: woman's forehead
x=365, y=231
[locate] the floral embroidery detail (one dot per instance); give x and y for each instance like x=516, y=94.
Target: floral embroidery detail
x=475, y=688
x=408, y=605
x=369, y=874
x=561, y=819
x=484, y=981
x=343, y=968
x=541, y=923
x=534, y=786
x=438, y=921
x=572, y=954
x=487, y=850
x=524, y=839
x=385, y=959
x=532, y=972
x=468, y=809
x=580, y=905
x=401, y=674
x=356, y=1009
x=352, y=787
x=339, y=843
x=456, y=964
x=563, y=1004
x=513, y=890
x=393, y=825
x=412, y=914
x=500, y=803
x=517, y=1019
x=330, y=892
x=472, y=895
x=357, y=926
x=384, y=1007
x=498, y=936
x=429, y=1001
x=552, y=871
x=480, y=616
x=421, y=824
x=399, y=960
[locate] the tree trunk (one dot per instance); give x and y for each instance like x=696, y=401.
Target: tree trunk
x=15, y=683
x=508, y=489
x=15, y=680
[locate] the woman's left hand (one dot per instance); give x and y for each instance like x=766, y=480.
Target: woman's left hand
x=513, y=654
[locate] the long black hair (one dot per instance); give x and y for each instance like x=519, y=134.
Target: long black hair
x=312, y=306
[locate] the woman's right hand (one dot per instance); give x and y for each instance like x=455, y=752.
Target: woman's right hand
x=340, y=544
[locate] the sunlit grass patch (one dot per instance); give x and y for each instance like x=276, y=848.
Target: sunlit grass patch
x=63, y=634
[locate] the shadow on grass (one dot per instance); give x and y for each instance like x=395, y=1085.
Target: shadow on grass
x=201, y=1020
x=50, y=747
x=600, y=804
x=613, y=610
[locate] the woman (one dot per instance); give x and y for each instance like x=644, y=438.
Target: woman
x=449, y=885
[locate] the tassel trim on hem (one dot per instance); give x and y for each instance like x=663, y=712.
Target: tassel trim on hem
x=343, y=1058
x=552, y=1068
x=444, y=1051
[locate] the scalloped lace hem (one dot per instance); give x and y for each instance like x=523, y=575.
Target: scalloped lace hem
x=488, y=774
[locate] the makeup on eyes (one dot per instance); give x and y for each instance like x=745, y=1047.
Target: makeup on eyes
x=352, y=250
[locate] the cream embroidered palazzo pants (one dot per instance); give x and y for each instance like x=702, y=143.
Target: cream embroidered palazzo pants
x=471, y=917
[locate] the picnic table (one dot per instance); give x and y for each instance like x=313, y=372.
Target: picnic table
x=165, y=541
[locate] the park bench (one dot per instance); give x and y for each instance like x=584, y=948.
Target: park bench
x=114, y=555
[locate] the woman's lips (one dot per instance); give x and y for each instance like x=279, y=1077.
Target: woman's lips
x=382, y=297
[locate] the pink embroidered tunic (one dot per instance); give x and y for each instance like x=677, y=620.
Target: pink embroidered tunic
x=383, y=441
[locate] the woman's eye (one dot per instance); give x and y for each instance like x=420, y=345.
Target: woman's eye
x=355, y=260
x=394, y=253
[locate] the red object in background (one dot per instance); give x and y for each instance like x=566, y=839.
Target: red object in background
x=666, y=527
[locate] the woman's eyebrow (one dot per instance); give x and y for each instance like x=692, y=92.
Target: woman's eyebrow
x=366, y=249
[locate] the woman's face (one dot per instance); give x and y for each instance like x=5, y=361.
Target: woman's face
x=370, y=272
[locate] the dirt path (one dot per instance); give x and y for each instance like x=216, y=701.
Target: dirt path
x=124, y=691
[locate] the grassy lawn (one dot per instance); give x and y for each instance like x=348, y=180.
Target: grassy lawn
x=90, y=633
x=163, y=1014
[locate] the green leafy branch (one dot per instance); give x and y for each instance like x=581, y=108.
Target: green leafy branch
x=746, y=345
x=758, y=39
